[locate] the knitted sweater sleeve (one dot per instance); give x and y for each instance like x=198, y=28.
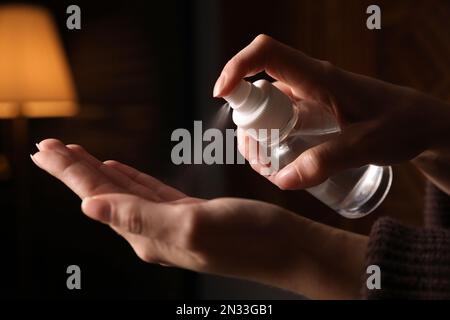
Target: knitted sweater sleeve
x=414, y=263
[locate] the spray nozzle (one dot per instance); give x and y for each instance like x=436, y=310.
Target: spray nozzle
x=239, y=94
x=245, y=97
x=259, y=105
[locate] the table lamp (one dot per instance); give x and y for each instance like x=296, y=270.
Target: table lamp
x=35, y=81
x=35, y=78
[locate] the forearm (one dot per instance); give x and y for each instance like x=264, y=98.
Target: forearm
x=326, y=263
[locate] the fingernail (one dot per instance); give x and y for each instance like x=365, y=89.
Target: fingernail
x=33, y=159
x=56, y=145
x=37, y=146
x=288, y=178
x=218, y=87
x=97, y=209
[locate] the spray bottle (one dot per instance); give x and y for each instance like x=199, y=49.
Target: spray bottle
x=260, y=108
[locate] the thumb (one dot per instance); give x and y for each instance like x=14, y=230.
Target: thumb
x=350, y=149
x=127, y=213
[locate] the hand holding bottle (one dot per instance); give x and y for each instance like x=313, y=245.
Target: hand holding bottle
x=381, y=123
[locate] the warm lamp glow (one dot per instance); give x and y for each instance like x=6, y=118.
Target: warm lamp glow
x=9, y=110
x=35, y=78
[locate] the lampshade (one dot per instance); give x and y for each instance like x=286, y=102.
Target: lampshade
x=35, y=78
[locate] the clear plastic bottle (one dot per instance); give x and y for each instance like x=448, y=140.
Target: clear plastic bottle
x=353, y=193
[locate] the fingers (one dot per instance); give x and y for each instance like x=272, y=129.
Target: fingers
x=115, y=175
x=131, y=214
x=350, y=149
x=287, y=90
x=88, y=176
x=249, y=149
x=255, y=155
x=158, y=232
x=150, y=228
x=94, y=178
x=126, y=215
x=165, y=192
x=357, y=146
x=143, y=248
x=82, y=178
x=281, y=62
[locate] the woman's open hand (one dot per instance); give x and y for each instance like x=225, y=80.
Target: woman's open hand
x=235, y=237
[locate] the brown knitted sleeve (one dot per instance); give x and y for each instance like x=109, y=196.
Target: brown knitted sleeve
x=414, y=263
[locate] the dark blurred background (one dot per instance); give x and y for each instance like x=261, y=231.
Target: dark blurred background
x=145, y=68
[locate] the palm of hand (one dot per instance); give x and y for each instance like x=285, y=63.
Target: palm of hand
x=225, y=236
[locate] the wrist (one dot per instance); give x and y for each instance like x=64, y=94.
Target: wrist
x=329, y=262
